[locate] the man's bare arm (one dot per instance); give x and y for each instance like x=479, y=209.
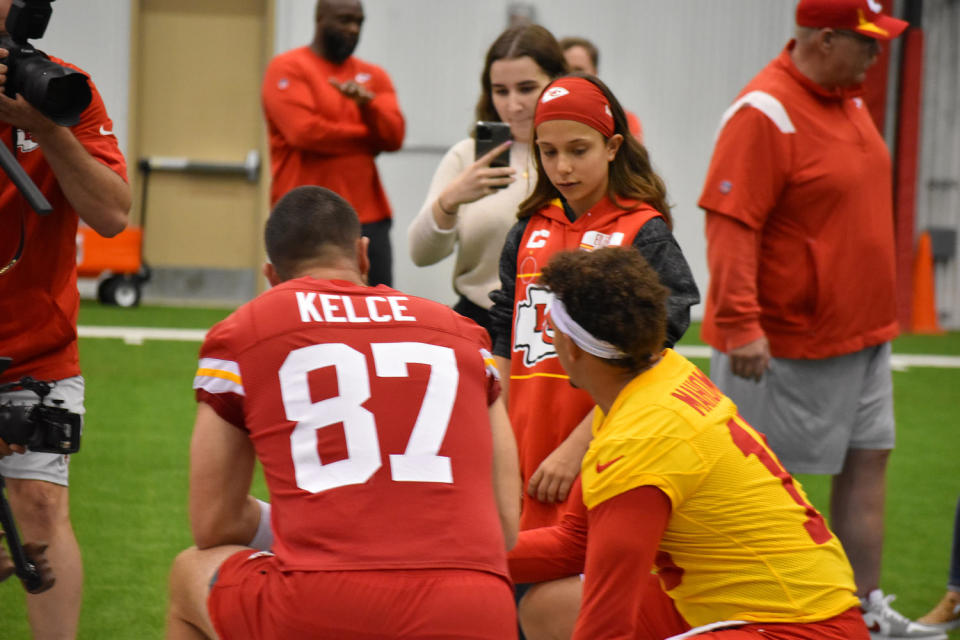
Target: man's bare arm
x=506, y=472
x=221, y=470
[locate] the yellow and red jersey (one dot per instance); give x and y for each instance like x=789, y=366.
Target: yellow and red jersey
x=742, y=541
x=675, y=482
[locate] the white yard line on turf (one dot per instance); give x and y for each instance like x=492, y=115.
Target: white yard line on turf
x=903, y=361
x=136, y=335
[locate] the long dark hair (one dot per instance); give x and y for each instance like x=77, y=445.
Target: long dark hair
x=631, y=175
x=516, y=42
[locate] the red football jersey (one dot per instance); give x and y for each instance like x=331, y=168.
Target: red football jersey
x=368, y=410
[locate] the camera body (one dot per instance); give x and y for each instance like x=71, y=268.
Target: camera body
x=39, y=427
x=58, y=92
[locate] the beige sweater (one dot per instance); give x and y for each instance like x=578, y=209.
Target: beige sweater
x=481, y=226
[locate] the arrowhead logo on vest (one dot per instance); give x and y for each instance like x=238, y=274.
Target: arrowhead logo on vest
x=531, y=335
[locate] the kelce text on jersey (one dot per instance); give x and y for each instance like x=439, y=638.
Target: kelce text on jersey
x=327, y=307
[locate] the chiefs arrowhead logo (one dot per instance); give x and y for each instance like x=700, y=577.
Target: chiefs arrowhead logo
x=555, y=92
x=531, y=334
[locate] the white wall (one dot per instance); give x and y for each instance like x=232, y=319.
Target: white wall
x=677, y=65
x=95, y=36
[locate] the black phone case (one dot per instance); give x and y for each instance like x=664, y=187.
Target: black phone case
x=489, y=135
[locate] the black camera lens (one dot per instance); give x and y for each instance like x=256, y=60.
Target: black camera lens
x=59, y=93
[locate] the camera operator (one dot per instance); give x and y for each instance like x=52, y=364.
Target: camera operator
x=82, y=172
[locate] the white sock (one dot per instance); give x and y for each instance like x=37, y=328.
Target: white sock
x=263, y=539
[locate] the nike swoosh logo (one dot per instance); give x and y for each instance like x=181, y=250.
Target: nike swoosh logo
x=601, y=467
x=105, y=132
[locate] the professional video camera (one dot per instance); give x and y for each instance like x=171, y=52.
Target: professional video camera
x=57, y=92
x=40, y=427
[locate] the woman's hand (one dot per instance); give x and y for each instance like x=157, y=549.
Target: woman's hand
x=476, y=181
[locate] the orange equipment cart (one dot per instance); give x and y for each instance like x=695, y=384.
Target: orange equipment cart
x=115, y=261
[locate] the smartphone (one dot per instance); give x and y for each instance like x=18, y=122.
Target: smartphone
x=489, y=135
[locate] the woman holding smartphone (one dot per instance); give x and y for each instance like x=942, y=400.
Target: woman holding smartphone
x=595, y=187
x=470, y=205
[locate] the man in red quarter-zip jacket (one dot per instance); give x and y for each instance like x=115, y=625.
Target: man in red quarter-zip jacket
x=328, y=115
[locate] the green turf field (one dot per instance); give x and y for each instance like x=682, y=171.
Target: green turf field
x=129, y=481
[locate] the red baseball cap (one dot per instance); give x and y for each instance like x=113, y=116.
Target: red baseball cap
x=862, y=16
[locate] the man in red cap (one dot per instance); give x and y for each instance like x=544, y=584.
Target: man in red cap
x=800, y=244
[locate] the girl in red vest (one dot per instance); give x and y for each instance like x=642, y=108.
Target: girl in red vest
x=595, y=187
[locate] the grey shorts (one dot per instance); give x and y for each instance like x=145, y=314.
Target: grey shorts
x=813, y=411
x=52, y=467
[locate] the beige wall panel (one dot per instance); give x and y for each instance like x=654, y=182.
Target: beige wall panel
x=219, y=229
x=200, y=67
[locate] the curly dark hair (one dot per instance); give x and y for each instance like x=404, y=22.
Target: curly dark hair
x=309, y=224
x=614, y=294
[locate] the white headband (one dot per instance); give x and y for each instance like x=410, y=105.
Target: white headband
x=583, y=338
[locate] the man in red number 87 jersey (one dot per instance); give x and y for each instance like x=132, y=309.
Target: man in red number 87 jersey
x=392, y=471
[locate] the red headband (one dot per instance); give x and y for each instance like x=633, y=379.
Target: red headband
x=575, y=99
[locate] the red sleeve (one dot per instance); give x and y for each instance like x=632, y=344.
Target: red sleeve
x=217, y=381
x=95, y=129
x=470, y=329
x=290, y=103
x=732, y=249
x=383, y=116
x=624, y=533
x=493, y=388
x=227, y=406
x=552, y=552
x=749, y=168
